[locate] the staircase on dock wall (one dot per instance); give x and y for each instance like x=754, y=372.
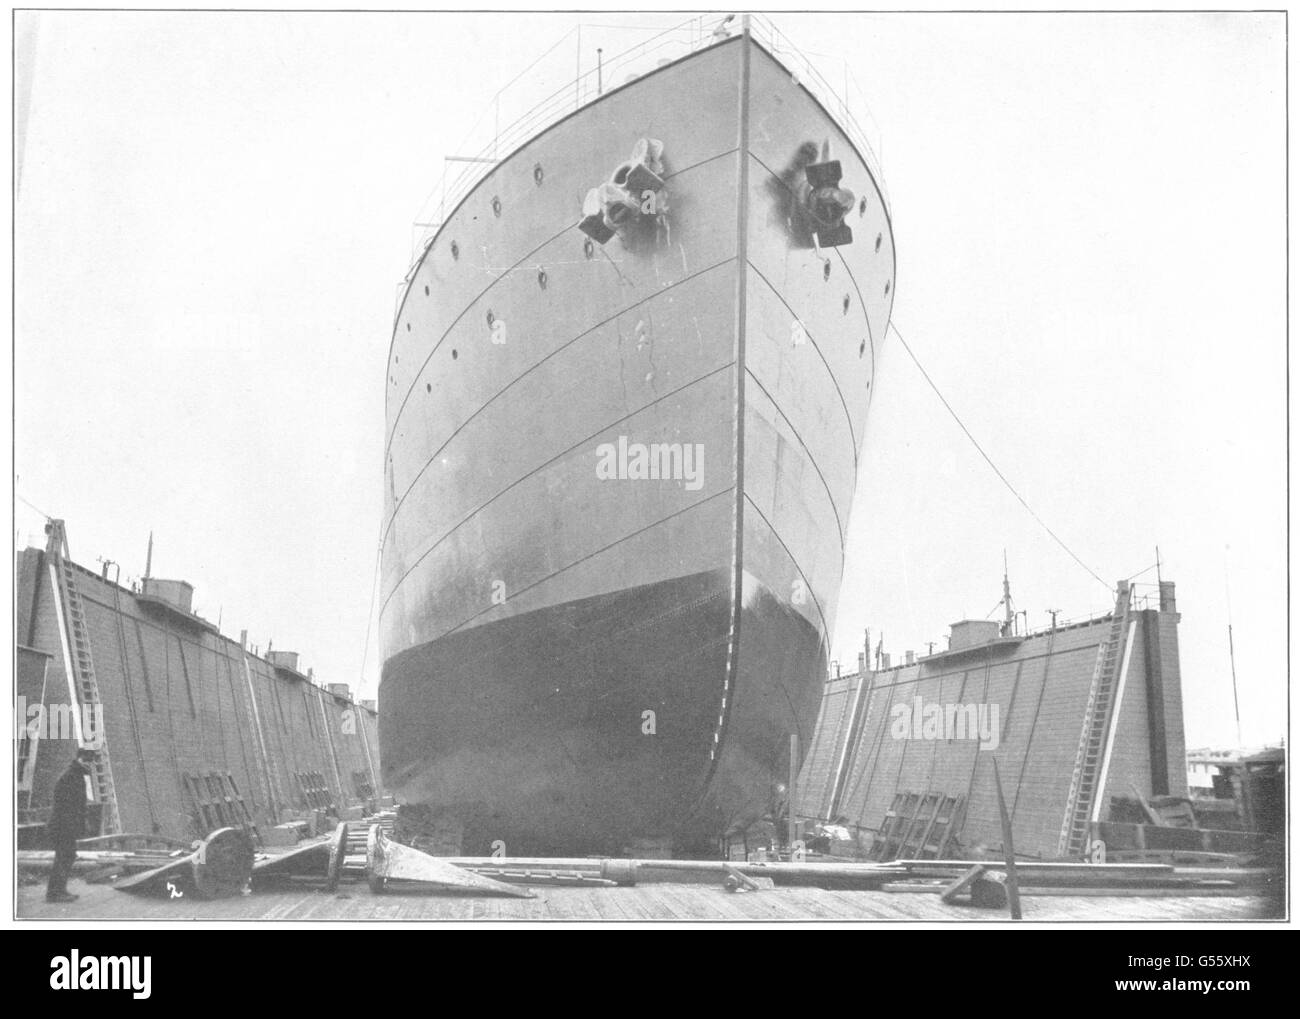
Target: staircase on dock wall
x=82, y=678
x=1097, y=720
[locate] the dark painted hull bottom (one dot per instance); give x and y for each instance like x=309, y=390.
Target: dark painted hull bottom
x=535, y=730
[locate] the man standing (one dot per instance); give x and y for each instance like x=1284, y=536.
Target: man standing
x=68, y=823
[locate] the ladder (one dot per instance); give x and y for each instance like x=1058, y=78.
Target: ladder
x=83, y=673
x=1096, y=725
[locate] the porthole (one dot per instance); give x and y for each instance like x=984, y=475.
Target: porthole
x=397, y=360
x=862, y=348
x=541, y=278
x=826, y=269
x=588, y=248
x=886, y=288
x=455, y=250
x=490, y=318
x=878, y=237
x=862, y=207
x=846, y=304
x=496, y=206
x=426, y=290
x=538, y=175
x=454, y=354
x=408, y=327
x=428, y=387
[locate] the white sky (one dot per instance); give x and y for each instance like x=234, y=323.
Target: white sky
x=1089, y=211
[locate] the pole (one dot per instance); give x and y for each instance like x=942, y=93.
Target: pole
x=272, y=799
x=329, y=742
x=600, y=73
x=789, y=796
x=1232, y=660
x=1013, y=887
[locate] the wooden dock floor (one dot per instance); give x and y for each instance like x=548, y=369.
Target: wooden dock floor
x=650, y=902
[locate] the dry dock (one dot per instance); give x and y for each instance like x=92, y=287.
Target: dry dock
x=208, y=738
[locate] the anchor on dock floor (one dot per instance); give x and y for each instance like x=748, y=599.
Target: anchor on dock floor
x=387, y=861
x=220, y=866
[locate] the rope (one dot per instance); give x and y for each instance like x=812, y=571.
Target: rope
x=1141, y=572
x=987, y=459
x=370, y=614
x=25, y=502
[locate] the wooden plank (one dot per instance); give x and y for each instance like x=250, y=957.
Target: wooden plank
x=1210, y=889
x=961, y=884
x=1151, y=815
x=1044, y=866
x=129, y=842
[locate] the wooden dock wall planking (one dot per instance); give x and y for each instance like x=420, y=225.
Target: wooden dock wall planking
x=1040, y=687
x=181, y=699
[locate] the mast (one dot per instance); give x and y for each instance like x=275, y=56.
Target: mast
x=1232, y=658
x=1008, y=614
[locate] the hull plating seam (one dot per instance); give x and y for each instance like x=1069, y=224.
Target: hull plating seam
x=839, y=527
x=795, y=562
x=497, y=279
x=834, y=381
x=542, y=466
x=591, y=555
x=524, y=374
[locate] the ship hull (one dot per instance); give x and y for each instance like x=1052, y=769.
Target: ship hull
x=577, y=656
x=545, y=739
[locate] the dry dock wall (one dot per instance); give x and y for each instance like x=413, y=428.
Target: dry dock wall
x=857, y=761
x=182, y=702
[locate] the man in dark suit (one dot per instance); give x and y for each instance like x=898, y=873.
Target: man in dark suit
x=68, y=823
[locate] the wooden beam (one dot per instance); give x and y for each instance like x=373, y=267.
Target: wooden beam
x=961, y=884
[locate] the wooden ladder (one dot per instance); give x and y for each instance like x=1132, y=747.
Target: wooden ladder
x=918, y=826
x=1096, y=726
x=933, y=843
x=893, y=829
x=83, y=668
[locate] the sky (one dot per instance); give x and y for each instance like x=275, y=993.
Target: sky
x=214, y=212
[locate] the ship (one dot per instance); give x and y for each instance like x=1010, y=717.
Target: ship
x=627, y=396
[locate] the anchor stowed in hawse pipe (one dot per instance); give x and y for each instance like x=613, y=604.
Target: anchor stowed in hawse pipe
x=816, y=204
x=632, y=197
